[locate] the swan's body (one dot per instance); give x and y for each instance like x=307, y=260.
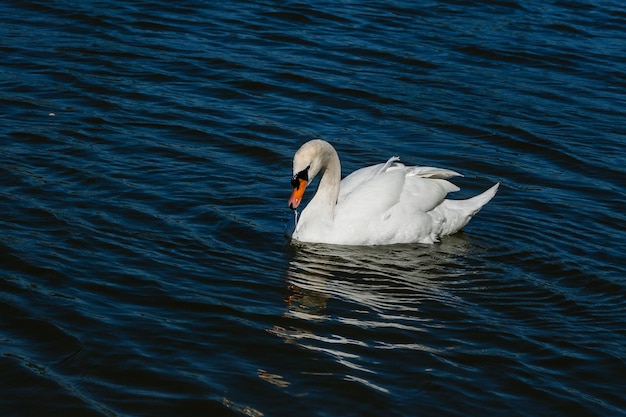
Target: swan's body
x=377, y=205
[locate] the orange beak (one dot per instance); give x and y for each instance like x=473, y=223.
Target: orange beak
x=297, y=193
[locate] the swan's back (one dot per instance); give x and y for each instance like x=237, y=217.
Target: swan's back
x=389, y=203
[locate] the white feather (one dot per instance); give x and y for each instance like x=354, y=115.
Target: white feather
x=380, y=204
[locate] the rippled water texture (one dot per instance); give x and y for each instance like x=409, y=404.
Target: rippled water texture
x=146, y=155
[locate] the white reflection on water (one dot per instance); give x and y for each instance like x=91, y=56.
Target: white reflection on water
x=352, y=304
x=390, y=281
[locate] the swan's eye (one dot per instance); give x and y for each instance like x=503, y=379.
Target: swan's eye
x=302, y=175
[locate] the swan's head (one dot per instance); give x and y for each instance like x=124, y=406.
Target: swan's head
x=309, y=160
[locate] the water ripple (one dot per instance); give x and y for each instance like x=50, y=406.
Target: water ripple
x=146, y=163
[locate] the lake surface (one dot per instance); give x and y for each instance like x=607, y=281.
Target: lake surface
x=146, y=161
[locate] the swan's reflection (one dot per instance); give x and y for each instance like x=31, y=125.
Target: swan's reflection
x=382, y=279
x=347, y=301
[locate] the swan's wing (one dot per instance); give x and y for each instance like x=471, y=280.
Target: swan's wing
x=424, y=194
x=372, y=191
x=368, y=196
x=362, y=176
x=431, y=172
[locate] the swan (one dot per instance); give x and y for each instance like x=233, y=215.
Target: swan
x=377, y=205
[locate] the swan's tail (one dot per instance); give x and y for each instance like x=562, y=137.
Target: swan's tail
x=459, y=212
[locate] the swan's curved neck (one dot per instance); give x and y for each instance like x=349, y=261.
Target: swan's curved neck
x=325, y=198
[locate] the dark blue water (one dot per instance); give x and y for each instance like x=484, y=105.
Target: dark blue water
x=145, y=157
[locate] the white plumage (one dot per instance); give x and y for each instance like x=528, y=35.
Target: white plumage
x=376, y=205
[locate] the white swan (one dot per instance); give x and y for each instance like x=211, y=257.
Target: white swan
x=376, y=205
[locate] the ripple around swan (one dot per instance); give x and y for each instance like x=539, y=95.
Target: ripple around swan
x=145, y=158
x=395, y=300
